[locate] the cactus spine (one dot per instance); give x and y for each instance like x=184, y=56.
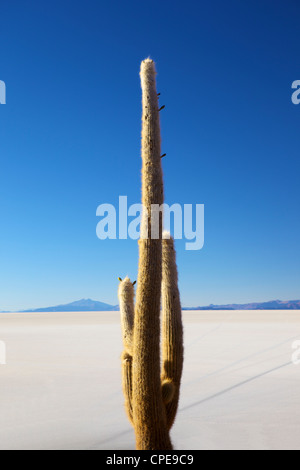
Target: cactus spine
x=151, y=395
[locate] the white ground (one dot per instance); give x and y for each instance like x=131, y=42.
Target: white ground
x=61, y=387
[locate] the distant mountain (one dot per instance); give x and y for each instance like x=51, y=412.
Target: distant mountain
x=88, y=305
x=83, y=305
x=272, y=305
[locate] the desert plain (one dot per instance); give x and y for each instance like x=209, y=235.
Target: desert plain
x=61, y=385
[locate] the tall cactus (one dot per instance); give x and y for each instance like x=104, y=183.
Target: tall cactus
x=151, y=395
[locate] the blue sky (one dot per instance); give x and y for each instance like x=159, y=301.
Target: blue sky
x=70, y=140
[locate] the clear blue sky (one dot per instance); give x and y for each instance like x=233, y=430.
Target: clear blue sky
x=70, y=140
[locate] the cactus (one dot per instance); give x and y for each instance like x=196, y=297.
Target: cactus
x=152, y=394
x=172, y=354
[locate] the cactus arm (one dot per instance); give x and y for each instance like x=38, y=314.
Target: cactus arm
x=127, y=383
x=172, y=330
x=149, y=414
x=126, y=301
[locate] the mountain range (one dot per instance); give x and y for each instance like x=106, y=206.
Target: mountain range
x=83, y=305
x=88, y=305
x=272, y=305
